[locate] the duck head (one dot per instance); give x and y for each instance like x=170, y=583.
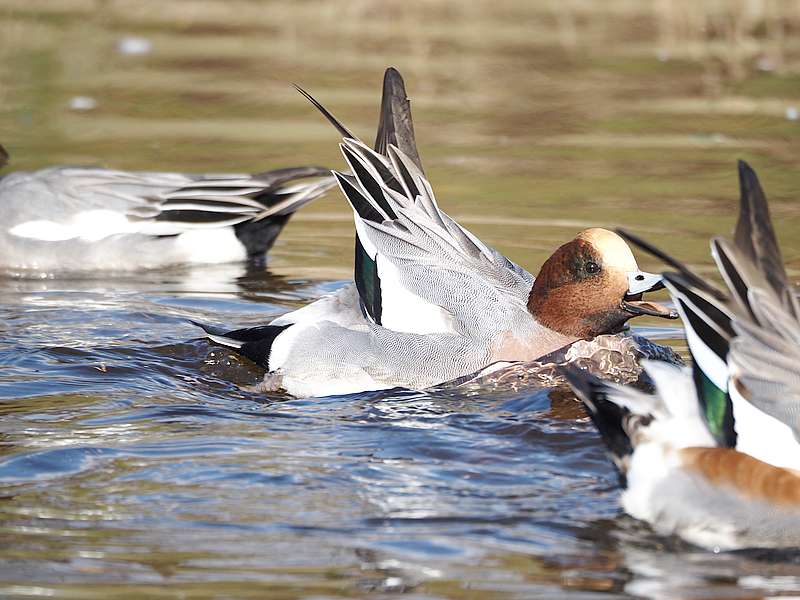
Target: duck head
x=591, y=286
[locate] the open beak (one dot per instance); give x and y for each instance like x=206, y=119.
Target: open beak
x=640, y=282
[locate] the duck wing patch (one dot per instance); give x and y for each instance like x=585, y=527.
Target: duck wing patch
x=707, y=317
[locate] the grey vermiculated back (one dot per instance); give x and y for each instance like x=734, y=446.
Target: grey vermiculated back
x=330, y=352
x=440, y=261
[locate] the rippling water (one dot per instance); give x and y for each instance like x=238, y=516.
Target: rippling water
x=133, y=460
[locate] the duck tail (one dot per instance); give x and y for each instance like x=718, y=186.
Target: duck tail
x=395, y=126
x=284, y=196
x=344, y=131
x=254, y=343
x=611, y=418
x=3, y=157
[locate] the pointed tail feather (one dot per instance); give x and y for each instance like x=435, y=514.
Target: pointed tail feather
x=3, y=157
x=344, y=131
x=254, y=343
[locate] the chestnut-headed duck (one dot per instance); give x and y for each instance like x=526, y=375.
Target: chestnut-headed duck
x=713, y=455
x=77, y=218
x=430, y=301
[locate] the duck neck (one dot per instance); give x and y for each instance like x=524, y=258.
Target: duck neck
x=529, y=342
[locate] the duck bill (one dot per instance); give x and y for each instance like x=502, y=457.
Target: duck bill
x=638, y=308
x=640, y=282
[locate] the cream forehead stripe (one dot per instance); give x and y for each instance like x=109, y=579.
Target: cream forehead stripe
x=614, y=250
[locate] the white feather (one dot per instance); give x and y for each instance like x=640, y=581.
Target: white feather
x=762, y=436
x=403, y=310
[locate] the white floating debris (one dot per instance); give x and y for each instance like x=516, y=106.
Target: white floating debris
x=765, y=64
x=82, y=103
x=662, y=55
x=134, y=46
x=792, y=113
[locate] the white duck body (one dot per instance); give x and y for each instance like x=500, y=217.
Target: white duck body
x=76, y=219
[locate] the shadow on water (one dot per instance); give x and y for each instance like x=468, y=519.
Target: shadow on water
x=133, y=459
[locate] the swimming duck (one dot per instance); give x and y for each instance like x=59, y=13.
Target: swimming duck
x=430, y=301
x=713, y=455
x=78, y=218
x=759, y=311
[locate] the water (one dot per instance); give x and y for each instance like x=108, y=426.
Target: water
x=133, y=460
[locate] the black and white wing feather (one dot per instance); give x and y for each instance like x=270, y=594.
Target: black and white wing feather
x=62, y=203
x=224, y=200
x=425, y=272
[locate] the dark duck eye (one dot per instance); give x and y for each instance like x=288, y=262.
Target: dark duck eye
x=592, y=268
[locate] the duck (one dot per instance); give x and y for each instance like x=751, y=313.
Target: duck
x=712, y=456
x=430, y=301
x=722, y=326
x=67, y=218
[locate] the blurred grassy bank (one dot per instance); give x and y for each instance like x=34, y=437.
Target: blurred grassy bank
x=534, y=118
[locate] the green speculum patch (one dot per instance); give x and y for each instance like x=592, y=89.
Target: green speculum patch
x=717, y=409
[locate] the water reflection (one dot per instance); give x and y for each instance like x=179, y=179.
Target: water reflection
x=134, y=459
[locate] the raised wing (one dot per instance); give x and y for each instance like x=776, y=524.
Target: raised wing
x=426, y=273
x=745, y=343
x=755, y=237
x=764, y=361
x=706, y=313
x=416, y=270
